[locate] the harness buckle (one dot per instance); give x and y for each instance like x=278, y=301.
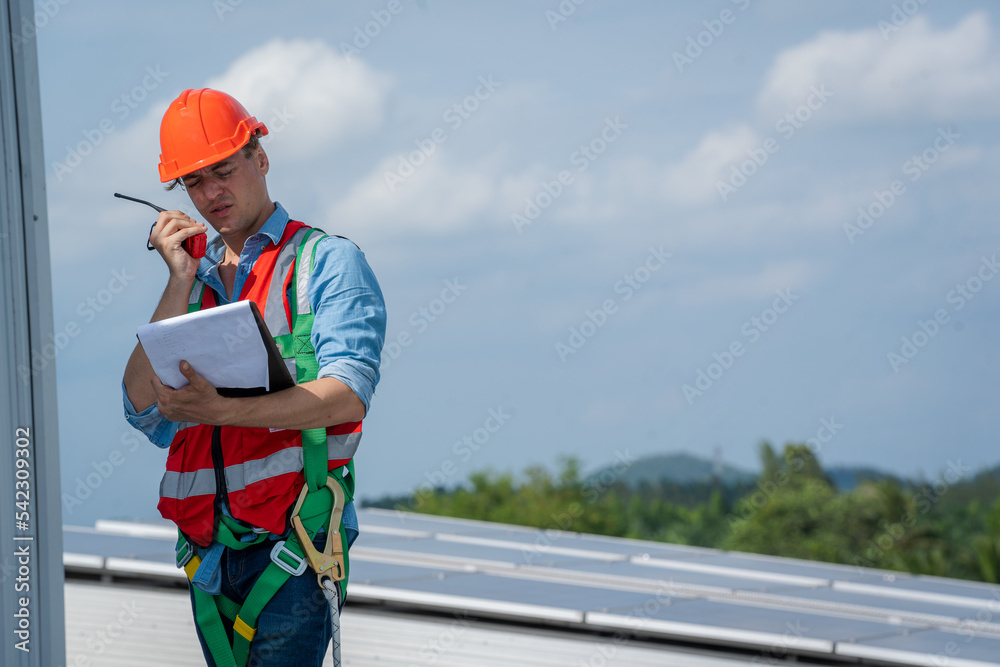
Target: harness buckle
x=276, y=556
x=184, y=553
x=330, y=563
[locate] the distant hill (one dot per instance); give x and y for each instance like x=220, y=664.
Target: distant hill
x=684, y=469
x=679, y=468
x=846, y=478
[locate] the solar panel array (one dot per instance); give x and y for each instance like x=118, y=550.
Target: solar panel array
x=773, y=606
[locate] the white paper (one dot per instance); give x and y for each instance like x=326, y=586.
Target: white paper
x=223, y=344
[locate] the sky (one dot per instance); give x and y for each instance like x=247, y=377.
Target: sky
x=603, y=229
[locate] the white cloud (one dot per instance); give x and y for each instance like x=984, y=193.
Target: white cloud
x=686, y=179
x=792, y=275
x=308, y=93
x=437, y=198
x=916, y=71
x=693, y=178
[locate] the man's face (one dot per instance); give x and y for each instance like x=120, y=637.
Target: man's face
x=231, y=194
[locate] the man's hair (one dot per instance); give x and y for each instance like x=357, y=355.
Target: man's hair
x=248, y=150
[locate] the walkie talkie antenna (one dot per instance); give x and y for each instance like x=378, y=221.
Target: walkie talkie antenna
x=141, y=201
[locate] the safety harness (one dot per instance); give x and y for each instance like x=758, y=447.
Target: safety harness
x=320, y=505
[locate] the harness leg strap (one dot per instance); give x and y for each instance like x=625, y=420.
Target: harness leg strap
x=212, y=630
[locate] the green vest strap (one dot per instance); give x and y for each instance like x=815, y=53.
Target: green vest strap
x=196, y=297
x=314, y=458
x=314, y=451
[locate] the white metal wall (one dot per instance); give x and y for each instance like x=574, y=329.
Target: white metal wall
x=31, y=573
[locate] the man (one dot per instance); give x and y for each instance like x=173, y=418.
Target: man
x=236, y=465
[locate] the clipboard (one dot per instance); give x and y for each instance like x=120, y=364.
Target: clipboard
x=229, y=345
x=277, y=371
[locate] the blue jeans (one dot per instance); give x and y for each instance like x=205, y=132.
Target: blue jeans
x=294, y=627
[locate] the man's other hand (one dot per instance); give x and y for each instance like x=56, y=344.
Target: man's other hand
x=198, y=402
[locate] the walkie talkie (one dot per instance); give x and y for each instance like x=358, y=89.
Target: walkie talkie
x=193, y=245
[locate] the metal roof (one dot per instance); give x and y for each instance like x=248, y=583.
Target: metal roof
x=585, y=589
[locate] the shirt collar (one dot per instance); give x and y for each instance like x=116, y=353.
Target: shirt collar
x=274, y=228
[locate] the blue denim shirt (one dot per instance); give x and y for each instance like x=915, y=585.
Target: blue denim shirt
x=348, y=325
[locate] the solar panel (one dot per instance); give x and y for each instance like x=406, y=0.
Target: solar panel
x=776, y=606
x=472, y=552
x=662, y=577
x=434, y=524
x=727, y=623
x=75, y=541
x=786, y=566
x=908, y=586
x=955, y=613
x=544, y=593
x=383, y=574
x=539, y=539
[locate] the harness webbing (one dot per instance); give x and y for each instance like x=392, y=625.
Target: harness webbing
x=216, y=615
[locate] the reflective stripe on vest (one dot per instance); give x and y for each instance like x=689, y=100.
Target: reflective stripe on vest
x=302, y=288
x=181, y=485
x=274, y=310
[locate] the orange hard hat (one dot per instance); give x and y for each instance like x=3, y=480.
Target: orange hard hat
x=200, y=128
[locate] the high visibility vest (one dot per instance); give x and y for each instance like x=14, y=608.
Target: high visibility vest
x=257, y=470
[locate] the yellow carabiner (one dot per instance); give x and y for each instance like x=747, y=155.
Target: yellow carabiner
x=329, y=563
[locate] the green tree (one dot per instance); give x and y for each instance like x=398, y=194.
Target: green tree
x=792, y=512
x=987, y=546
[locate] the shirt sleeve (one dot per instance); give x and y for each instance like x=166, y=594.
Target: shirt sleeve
x=155, y=426
x=349, y=316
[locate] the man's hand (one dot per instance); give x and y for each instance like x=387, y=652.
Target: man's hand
x=198, y=402
x=170, y=230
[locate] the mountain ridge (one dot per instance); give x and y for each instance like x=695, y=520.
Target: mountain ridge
x=682, y=467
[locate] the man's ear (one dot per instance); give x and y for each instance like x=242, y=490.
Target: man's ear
x=260, y=159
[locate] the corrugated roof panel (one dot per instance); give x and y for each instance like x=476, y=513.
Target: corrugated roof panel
x=930, y=647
